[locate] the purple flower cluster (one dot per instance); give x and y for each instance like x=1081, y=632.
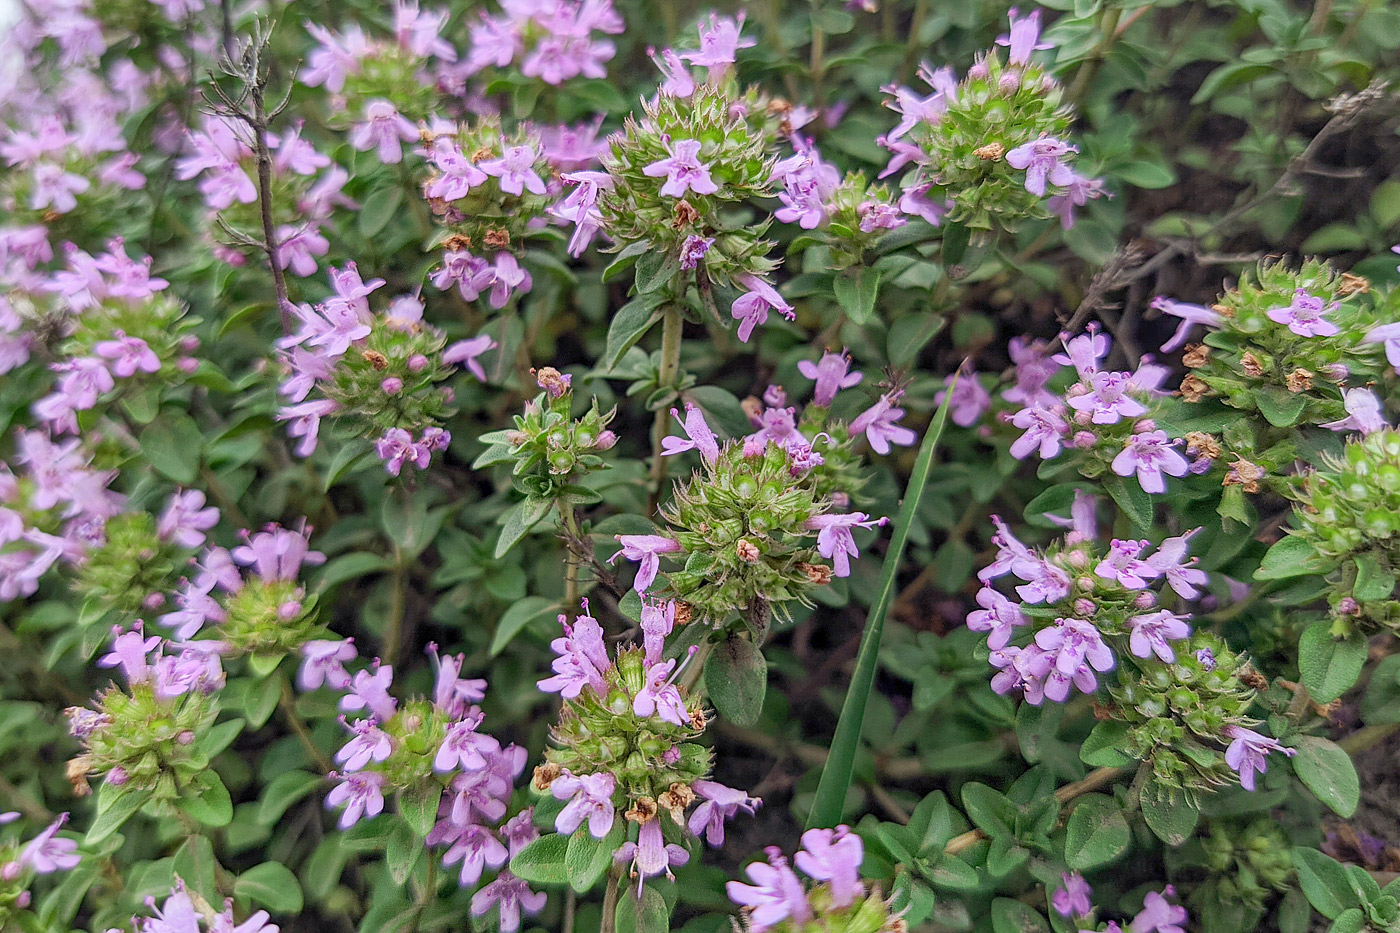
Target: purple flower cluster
x=552, y=40
x=328, y=331
x=1073, y=901
x=1092, y=589
x=1102, y=413
x=178, y=914
x=44, y=854
x=582, y=663
x=142, y=659
x=829, y=857
x=477, y=773
x=272, y=556
x=107, y=280
x=54, y=509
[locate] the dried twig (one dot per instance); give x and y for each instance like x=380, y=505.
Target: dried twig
x=247, y=65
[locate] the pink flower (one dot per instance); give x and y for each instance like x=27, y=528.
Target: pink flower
x=684, y=171
x=999, y=617
x=127, y=355
x=752, y=307
x=1040, y=159
x=1151, y=634
x=465, y=353
x=590, y=799
x=833, y=856
x=717, y=804
x=878, y=424
x=458, y=174
x=1247, y=753
x=1076, y=650
x=305, y=419
x=509, y=894
x=581, y=657
x=1149, y=454
x=831, y=374
x=775, y=895
x=720, y=41
x=1072, y=898
x=834, y=539
x=47, y=852
x=1306, y=316
x=1363, y=413
x=515, y=170
x=648, y=550
x=362, y=795
x=185, y=519
x=700, y=437
x=384, y=129
x=1190, y=315
x=369, y=690
x=650, y=854
x=55, y=188
x=1024, y=37
x=324, y=663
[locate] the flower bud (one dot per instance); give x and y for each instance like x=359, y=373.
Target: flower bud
x=392, y=385
x=417, y=363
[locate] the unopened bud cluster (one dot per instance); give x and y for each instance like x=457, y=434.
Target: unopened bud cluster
x=994, y=145
x=675, y=174
x=1294, y=346
x=1247, y=863
x=1179, y=713
x=1348, y=511
x=551, y=450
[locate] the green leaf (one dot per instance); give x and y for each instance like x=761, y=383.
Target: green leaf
x=1170, y=816
x=1149, y=175
x=1328, y=773
x=736, y=679
x=1351, y=920
x=115, y=805
x=1373, y=582
x=1329, y=666
x=419, y=806
x=1096, y=833
x=207, y=800
x=519, y=519
x=645, y=914
x=629, y=325
x=272, y=885
x=993, y=813
x=195, y=863
x=171, y=445
x=1324, y=881
x=350, y=567
x=1280, y=407
x=588, y=859
x=857, y=290
x=1228, y=76
x=402, y=851
x=1135, y=501
x=1103, y=747
x=377, y=209
x=1010, y=916
x=283, y=791
x=517, y=617
x=1290, y=556
x=840, y=765
x=655, y=270
x=956, y=236
x=953, y=873
x=544, y=861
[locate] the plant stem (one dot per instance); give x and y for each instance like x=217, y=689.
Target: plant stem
x=666, y=377
x=1108, y=29
x=398, y=598
x=610, y=897
x=568, y=517
x=817, y=66
x=286, y=703
x=691, y=676
x=570, y=908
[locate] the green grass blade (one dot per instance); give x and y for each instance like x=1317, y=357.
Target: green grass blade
x=840, y=764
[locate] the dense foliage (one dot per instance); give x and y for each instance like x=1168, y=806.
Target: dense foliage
x=603, y=465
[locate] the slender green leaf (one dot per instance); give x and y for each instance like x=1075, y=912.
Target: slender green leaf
x=840, y=765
